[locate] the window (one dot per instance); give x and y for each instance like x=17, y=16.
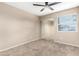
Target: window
x=67, y=23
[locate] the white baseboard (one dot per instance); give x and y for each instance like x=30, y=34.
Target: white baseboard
x=67, y=44
x=17, y=45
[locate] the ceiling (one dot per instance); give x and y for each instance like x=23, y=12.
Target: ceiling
x=28, y=6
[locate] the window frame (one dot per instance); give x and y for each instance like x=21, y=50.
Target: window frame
x=68, y=15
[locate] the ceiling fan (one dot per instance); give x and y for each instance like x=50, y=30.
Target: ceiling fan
x=47, y=5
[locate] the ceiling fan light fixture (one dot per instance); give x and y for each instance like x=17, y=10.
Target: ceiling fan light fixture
x=47, y=5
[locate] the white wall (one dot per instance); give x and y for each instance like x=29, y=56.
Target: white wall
x=16, y=29
x=50, y=31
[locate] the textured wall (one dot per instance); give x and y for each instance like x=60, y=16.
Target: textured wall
x=17, y=27
x=50, y=30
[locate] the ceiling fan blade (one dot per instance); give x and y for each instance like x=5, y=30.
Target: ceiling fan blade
x=42, y=9
x=54, y=3
x=37, y=5
x=46, y=3
x=51, y=8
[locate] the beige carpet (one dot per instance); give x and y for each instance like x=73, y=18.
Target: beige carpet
x=42, y=48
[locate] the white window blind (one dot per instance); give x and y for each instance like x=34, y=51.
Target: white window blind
x=67, y=23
